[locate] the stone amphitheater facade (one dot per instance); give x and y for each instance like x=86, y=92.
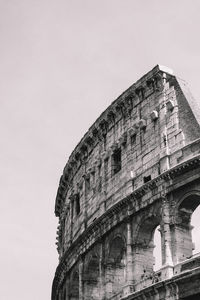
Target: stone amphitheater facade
x=137, y=168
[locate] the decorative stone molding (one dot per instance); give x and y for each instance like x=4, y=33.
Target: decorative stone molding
x=106, y=154
x=123, y=139
x=140, y=92
x=151, y=84
x=129, y=102
x=170, y=105
x=154, y=115
x=91, y=170
x=142, y=124
x=97, y=162
x=132, y=131
x=89, y=141
x=111, y=117
x=114, y=146
x=121, y=109
x=103, y=125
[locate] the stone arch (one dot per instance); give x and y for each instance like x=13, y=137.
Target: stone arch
x=74, y=286
x=182, y=233
x=195, y=230
x=116, y=265
x=91, y=278
x=189, y=200
x=144, y=245
x=117, y=248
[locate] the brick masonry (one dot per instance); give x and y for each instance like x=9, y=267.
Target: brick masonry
x=135, y=169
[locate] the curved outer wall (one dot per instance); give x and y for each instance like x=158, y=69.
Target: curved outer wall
x=135, y=169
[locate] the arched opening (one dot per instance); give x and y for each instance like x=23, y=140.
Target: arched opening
x=157, y=251
x=91, y=279
x=74, y=286
x=195, y=222
x=144, y=259
x=117, y=249
x=115, y=271
x=187, y=216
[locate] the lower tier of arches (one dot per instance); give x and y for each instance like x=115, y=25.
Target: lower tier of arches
x=122, y=262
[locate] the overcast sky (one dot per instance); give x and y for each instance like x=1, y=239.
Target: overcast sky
x=61, y=64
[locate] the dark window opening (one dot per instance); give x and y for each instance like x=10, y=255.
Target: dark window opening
x=147, y=178
x=93, y=175
x=159, y=170
x=133, y=139
x=133, y=184
x=87, y=185
x=77, y=204
x=99, y=170
x=99, y=187
x=104, y=142
x=116, y=161
x=106, y=169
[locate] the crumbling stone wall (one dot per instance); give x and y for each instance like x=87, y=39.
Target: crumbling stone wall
x=135, y=169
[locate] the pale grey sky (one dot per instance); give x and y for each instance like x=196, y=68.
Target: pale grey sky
x=61, y=64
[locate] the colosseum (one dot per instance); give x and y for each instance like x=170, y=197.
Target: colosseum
x=136, y=169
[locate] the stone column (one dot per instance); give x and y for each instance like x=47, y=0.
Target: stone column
x=129, y=256
x=182, y=237
x=71, y=219
x=84, y=200
x=81, y=280
x=60, y=295
x=166, y=239
x=101, y=274
x=129, y=260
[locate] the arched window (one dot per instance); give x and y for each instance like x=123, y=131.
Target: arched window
x=144, y=248
x=195, y=222
x=117, y=250
x=187, y=213
x=91, y=279
x=115, y=271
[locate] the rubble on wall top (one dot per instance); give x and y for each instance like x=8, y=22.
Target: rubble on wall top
x=165, y=69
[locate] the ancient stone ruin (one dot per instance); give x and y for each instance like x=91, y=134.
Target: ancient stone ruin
x=137, y=168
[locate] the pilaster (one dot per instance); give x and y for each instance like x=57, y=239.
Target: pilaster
x=129, y=255
x=166, y=240
x=101, y=272
x=81, y=296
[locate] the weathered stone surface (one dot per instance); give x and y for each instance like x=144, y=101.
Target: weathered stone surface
x=138, y=167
